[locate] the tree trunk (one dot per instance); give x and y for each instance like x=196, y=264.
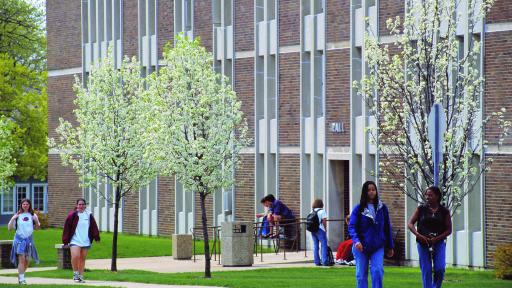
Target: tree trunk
x=207, y=272
x=113, y=265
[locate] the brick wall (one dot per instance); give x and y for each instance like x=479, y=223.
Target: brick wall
x=289, y=181
x=165, y=24
x=244, y=189
x=501, y=11
x=244, y=25
x=130, y=28
x=395, y=201
x=166, y=208
x=244, y=87
x=203, y=24
x=60, y=102
x=498, y=62
x=498, y=206
x=131, y=213
x=289, y=99
x=337, y=93
x=389, y=9
x=289, y=22
x=337, y=20
x=63, y=22
x=63, y=191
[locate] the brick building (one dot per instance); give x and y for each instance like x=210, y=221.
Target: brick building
x=291, y=62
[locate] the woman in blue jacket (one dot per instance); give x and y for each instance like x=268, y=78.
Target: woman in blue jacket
x=371, y=233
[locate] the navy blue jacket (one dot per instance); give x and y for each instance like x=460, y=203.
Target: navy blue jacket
x=372, y=233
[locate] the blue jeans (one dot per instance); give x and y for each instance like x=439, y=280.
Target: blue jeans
x=376, y=261
x=426, y=264
x=320, y=237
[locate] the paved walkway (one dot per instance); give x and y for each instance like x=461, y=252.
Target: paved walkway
x=168, y=265
x=50, y=281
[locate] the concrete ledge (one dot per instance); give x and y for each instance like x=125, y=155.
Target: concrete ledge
x=182, y=246
x=5, y=254
x=63, y=256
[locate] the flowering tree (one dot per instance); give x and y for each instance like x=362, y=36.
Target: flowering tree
x=7, y=162
x=196, y=115
x=108, y=142
x=429, y=64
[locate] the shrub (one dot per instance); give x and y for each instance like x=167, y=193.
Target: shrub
x=503, y=261
x=43, y=219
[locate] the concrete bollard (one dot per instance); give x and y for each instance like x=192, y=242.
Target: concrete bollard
x=63, y=256
x=5, y=253
x=182, y=246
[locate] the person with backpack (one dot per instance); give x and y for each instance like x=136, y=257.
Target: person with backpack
x=372, y=235
x=80, y=229
x=23, y=248
x=316, y=223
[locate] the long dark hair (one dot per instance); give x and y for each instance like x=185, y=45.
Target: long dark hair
x=436, y=191
x=30, y=210
x=363, y=203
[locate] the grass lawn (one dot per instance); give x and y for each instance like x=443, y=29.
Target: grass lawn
x=51, y=286
x=395, y=277
x=129, y=245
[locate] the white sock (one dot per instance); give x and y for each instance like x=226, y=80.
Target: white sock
x=75, y=273
x=22, y=276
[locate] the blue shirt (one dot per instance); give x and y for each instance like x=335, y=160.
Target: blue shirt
x=278, y=208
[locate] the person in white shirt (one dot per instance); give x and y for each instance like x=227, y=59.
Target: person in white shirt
x=320, y=236
x=80, y=229
x=23, y=247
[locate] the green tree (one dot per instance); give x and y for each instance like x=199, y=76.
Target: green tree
x=23, y=100
x=195, y=114
x=22, y=32
x=23, y=82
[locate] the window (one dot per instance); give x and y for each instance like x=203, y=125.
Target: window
x=38, y=197
x=8, y=201
x=21, y=193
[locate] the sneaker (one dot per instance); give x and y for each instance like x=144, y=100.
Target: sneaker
x=81, y=279
x=339, y=261
x=22, y=282
x=352, y=263
x=76, y=278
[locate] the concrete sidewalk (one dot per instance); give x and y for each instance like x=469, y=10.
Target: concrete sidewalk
x=167, y=264
x=51, y=281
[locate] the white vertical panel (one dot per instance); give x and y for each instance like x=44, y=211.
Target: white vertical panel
x=262, y=38
x=219, y=31
x=119, y=53
x=273, y=135
x=95, y=52
x=190, y=221
x=372, y=149
x=273, y=36
x=320, y=134
x=154, y=220
x=372, y=14
x=88, y=56
x=229, y=42
x=154, y=58
x=262, y=138
x=359, y=134
x=104, y=47
x=96, y=214
x=182, y=223
x=320, y=31
x=449, y=250
x=145, y=51
x=111, y=222
x=104, y=219
x=462, y=247
x=359, y=29
x=308, y=135
x=477, y=249
x=309, y=26
x=145, y=222
x=461, y=12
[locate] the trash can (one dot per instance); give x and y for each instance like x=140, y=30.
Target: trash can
x=237, y=243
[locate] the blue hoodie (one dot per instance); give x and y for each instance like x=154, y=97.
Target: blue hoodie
x=372, y=233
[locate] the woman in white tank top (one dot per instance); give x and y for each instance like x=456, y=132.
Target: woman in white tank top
x=23, y=248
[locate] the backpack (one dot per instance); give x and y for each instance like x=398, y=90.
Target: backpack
x=330, y=257
x=312, y=221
